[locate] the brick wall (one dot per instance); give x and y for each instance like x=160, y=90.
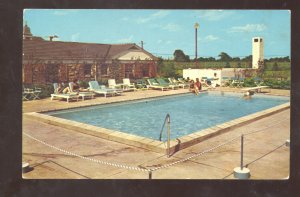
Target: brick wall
x=50, y=73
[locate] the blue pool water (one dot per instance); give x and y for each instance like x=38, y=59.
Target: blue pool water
x=189, y=113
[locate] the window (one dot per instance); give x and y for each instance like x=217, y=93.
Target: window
x=104, y=69
x=87, y=69
x=129, y=70
x=261, y=40
x=255, y=40
x=51, y=73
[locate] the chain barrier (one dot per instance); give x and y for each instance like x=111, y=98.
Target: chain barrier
x=149, y=170
x=89, y=159
x=196, y=155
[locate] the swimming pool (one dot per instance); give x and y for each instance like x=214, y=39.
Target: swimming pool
x=189, y=113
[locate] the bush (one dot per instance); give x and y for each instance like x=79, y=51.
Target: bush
x=249, y=82
x=47, y=90
x=278, y=84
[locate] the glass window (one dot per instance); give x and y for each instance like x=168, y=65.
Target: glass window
x=87, y=69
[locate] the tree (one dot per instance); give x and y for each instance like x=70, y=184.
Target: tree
x=261, y=68
x=224, y=57
x=247, y=58
x=227, y=65
x=236, y=59
x=179, y=56
x=275, y=67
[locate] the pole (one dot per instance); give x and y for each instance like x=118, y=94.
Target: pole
x=196, y=47
x=196, y=43
x=242, y=150
x=150, y=174
x=168, y=144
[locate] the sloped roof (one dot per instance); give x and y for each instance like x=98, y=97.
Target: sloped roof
x=43, y=50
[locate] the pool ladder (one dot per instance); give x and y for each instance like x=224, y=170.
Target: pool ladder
x=168, y=121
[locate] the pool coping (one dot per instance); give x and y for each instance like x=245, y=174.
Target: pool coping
x=155, y=145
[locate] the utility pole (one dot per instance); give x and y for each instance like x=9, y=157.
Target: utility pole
x=196, y=41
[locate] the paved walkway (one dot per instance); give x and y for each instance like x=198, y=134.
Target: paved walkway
x=265, y=154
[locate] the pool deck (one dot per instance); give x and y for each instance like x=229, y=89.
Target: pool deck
x=265, y=153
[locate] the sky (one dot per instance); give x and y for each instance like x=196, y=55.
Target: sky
x=164, y=31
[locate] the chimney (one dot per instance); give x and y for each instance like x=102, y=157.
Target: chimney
x=52, y=37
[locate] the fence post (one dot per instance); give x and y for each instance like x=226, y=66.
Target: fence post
x=242, y=151
x=241, y=172
x=150, y=174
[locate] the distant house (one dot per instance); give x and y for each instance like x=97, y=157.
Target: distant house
x=48, y=61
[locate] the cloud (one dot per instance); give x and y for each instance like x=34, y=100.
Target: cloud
x=169, y=42
x=157, y=15
x=75, y=37
x=160, y=14
x=213, y=15
x=210, y=38
x=171, y=27
x=248, y=28
x=125, y=40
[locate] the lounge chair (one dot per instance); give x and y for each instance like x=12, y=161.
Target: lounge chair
x=182, y=80
x=258, y=81
x=112, y=84
x=127, y=85
x=83, y=95
x=142, y=84
x=204, y=79
x=155, y=85
x=94, y=86
x=235, y=82
x=27, y=93
x=225, y=81
x=173, y=81
x=31, y=93
x=67, y=96
x=163, y=82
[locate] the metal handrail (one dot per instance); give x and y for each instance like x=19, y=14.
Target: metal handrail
x=168, y=120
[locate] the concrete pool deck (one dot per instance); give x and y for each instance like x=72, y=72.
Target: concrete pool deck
x=265, y=153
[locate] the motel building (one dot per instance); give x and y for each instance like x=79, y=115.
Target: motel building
x=221, y=74
x=49, y=61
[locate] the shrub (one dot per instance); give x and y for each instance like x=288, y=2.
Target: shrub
x=249, y=82
x=47, y=90
x=278, y=84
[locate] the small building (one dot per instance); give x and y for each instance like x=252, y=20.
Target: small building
x=48, y=61
x=209, y=73
x=257, y=51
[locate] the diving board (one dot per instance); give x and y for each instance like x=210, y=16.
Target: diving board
x=254, y=89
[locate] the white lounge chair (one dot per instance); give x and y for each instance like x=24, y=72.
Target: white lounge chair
x=83, y=95
x=94, y=86
x=127, y=85
x=112, y=84
x=67, y=96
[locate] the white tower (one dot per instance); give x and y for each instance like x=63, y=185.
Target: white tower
x=257, y=51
